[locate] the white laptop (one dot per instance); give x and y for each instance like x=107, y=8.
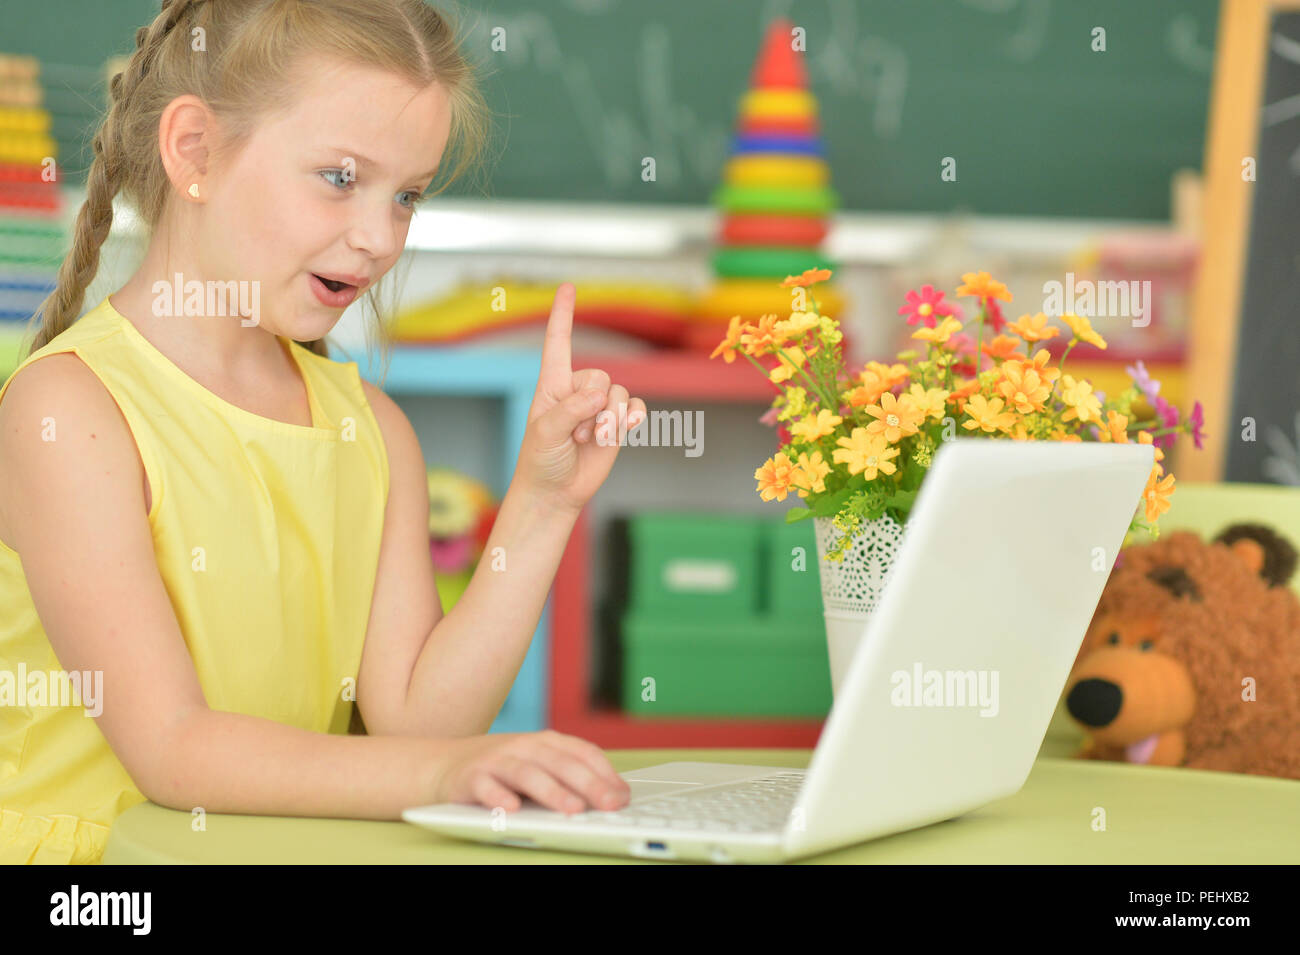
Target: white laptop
x=947, y=699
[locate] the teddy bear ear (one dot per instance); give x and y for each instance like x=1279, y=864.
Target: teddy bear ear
x=1263, y=550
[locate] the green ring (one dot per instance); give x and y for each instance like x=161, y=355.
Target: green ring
x=796, y=200
x=764, y=262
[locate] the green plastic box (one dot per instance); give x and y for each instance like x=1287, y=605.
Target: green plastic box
x=688, y=564
x=744, y=666
x=792, y=580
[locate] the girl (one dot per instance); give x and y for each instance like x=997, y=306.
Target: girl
x=202, y=510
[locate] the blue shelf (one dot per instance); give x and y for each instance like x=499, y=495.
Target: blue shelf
x=509, y=374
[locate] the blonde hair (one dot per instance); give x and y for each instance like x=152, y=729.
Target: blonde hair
x=251, y=48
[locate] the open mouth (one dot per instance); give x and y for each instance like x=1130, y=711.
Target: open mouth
x=332, y=285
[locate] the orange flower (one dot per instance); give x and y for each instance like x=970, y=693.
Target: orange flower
x=872, y=387
x=959, y=396
x=1002, y=348
x=1114, y=429
x=775, y=478
x=891, y=375
x=988, y=415
x=727, y=347
x=1022, y=387
x=896, y=417
x=1034, y=328
x=1144, y=437
x=761, y=338
x=1039, y=364
x=866, y=454
x=1157, y=492
x=1060, y=434
x=983, y=286
x=809, y=277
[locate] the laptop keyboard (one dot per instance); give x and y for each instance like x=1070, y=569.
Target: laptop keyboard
x=755, y=805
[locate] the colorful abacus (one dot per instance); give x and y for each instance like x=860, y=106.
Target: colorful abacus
x=775, y=198
x=32, y=240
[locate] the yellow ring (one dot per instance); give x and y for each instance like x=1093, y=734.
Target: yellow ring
x=778, y=104
x=770, y=170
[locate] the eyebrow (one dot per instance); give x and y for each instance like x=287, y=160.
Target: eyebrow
x=365, y=161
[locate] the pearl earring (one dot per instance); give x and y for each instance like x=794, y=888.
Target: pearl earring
x=194, y=189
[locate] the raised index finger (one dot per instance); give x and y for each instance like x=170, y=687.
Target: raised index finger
x=557, y=359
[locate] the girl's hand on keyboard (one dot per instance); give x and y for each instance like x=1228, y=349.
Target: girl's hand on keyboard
x=563, y=773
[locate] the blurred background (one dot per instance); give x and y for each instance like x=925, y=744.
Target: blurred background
x=675, y=162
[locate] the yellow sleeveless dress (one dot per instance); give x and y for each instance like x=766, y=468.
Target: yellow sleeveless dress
x=267, y=537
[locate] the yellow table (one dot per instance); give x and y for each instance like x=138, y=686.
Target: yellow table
x=1153, y=816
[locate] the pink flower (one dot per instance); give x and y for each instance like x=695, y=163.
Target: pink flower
x=925, y=305
x=994, y=311
x=1168, y=415
x=1196, y=419
x=769, y=418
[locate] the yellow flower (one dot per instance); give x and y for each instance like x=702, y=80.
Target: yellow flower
x=1082, y=329
x=810, y=475
x=987, y=415
x=727, y=347
x=964, y=390
x=940, y=333
x=815, y=426
x=983, y=286
x=867, y=454
x=1022, y=387
x=1081, y=402
x=1157, y=492
x=930, y=402
x=1115, y=428
x=798, y=323
x=830, y=330
x=775, y=478
x=785, y=370
x=896, y=417
x=1060, y=434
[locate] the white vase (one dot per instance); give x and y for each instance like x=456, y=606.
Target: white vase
x=852, y=588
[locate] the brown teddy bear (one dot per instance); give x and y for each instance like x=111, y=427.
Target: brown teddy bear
x=1192, y=657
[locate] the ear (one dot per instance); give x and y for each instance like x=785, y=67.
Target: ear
x=1262, y=549
x=185, y=136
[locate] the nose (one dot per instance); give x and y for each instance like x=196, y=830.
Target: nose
x=1094, y=702
x=375, y=233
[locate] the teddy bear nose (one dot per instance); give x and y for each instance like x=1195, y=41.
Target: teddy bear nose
x=1094, y=702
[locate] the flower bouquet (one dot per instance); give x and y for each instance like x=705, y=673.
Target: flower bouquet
x=855, y=446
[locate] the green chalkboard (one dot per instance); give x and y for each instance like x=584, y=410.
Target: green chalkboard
x=1039, y=122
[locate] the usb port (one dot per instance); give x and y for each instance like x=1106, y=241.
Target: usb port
x=661, y=846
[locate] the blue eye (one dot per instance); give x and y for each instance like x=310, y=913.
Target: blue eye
x=326, y=173
x=347, y=179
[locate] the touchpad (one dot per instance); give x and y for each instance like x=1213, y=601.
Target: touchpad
x=642, y=788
